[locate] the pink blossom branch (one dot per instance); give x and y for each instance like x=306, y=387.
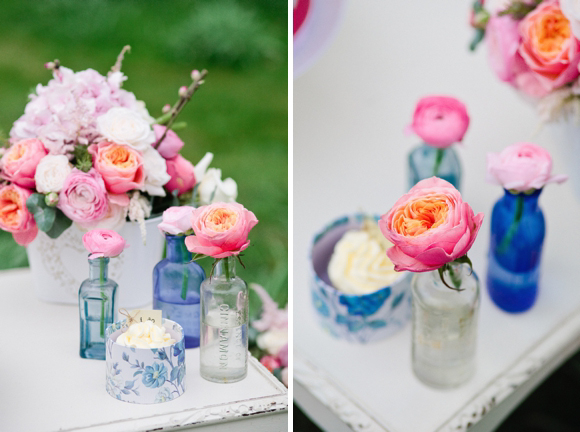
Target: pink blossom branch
x=117, y=66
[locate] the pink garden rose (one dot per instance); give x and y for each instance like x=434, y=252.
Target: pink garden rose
x=171, y=144
x=14, y=216
x=270, y=362
x=176, y=220
x=429, y=226
x=548, y=46
x=440, y=120
x=221, y=229
x=20, y=161
x=120, y=166
x=521, y=167
x=83, y=197
x=182, y=175
x=103, y=243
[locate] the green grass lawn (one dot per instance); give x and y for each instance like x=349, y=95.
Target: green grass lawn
x=240, y=113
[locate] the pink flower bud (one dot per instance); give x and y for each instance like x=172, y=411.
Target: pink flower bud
x=49, y=65
x=166, y=108
x=182, y=91
x=51, y=199
x=195, y=75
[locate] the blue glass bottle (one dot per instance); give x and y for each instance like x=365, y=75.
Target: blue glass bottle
x=97, y=297
x=517, y=235
x=426, y=161
x=176, y=282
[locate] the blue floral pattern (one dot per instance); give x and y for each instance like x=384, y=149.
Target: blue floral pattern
x=153, y=375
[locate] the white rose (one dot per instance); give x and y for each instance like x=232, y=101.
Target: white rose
x=212, y=189
x=124, y=126
x=114, y=219
x=51, y=172
x=273, y=340
x=571, y=9
x=155, y=172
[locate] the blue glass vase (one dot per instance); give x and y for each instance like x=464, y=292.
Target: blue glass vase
x=426, y=161
x=176, y=282
x=97, y=297
x=517, y=235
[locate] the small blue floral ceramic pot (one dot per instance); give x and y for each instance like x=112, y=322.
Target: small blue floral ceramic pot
x=145, y=375
x=356, y=318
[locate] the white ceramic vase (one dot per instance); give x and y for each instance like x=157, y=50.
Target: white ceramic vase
x=566, y=133
x=60, y=265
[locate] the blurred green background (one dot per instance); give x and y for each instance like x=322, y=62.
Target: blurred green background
x=240, y=113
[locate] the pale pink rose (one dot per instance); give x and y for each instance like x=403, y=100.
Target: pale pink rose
x=503, y=42
x=14, y=216
x=103, y=243
x=270, y=362
x=548, y=46
x=120, y=166
x=171, y=144
x=20, y=161
x=221, y=229
x=521, y=167
x=440, y=120
x=176, y=220
x=429, y=226
x=83, y=197
x=182, y=175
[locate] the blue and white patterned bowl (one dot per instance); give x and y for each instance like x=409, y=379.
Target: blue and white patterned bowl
x=356, y=318
x=145, y=375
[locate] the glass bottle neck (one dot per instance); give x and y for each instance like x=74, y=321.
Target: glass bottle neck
x=530, y=202
x=225, y=268
x=176, y=249
x=99, y=269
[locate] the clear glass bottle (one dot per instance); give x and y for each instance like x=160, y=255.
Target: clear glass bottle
x=426, y=161
x=224, y=325
x=97, y=298
x=445, y=326
x=518, y=229
x=176, y=288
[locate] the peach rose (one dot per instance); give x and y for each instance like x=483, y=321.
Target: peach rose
x=548, y=46
x=120, y=166
x=429, y=226
x=20, y=161
x=14, y=216
x=221, y=229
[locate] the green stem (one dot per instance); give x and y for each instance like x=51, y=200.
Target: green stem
x=102, y=280
x=185, y=273
x=505, y=242
x=438, y=159
x=227, y=269
x=454, y=277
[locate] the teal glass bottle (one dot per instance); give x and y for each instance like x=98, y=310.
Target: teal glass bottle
x=97, y=298
x=176, y=285
x=426, y=161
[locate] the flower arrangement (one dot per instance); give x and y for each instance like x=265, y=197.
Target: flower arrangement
x=534, y=45
x=430, y=228
x=88, y=152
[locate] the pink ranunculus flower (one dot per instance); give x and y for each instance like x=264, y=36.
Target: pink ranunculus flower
x=120, y=166
x=83, y=197
x=20, y=161
x=182, y=175
x=221, y=229
x=171, y=144
x=270, y=362
x=103, y=243
x=548, y=46
x=176, y=220
x=440, y=120
x=429, y=226
x=14, y=216
x=521, y=167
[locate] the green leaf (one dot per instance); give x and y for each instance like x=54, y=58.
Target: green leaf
x=83, y=160
x=61, y=223
x=43, y=215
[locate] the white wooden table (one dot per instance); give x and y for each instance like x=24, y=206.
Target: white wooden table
x=350, y=154
x=46, y=386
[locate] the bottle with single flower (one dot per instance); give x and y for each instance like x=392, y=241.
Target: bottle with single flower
x=439, y=121
x=97, y=294
x=221, y=231
x=177, y=278
x=432, y=230
x=517, y=224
